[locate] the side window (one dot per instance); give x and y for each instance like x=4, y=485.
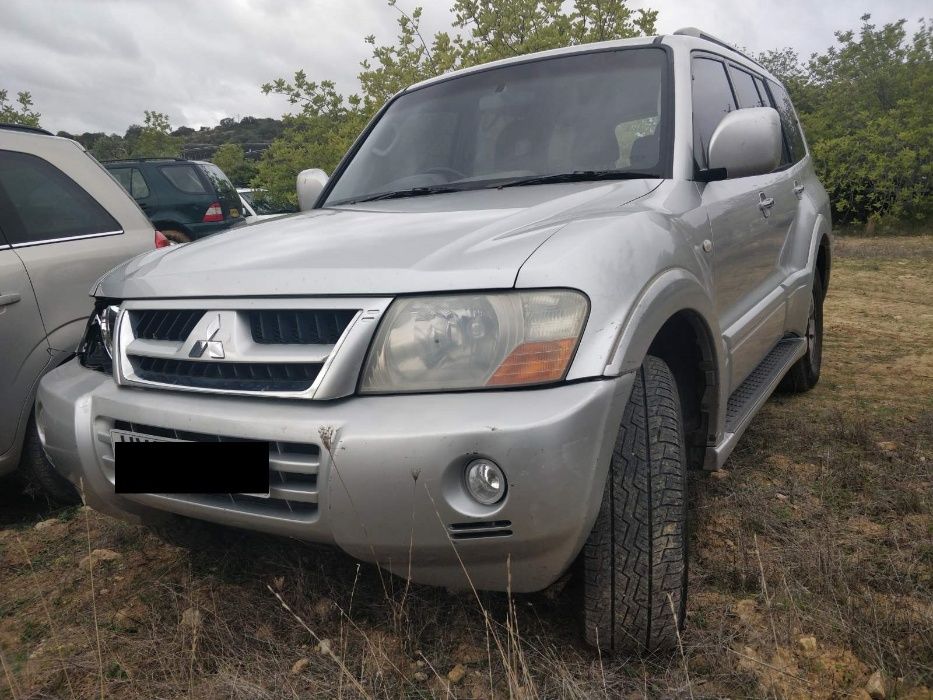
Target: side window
x=123, y=176
x=745, y=89
x=185, y=178
x=38, y=202
x=140, y=186
x=763, y=92
x=792, y=134
x=712, y=100
x=132, y=181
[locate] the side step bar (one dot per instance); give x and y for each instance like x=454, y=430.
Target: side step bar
x=751, y=395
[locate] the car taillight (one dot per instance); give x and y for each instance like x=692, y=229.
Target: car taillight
x=213, y=214
x=161, y=241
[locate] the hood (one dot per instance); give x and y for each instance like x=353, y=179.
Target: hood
x=457, y=241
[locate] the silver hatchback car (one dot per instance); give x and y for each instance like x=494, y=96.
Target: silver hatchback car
x=64, y=222
x=531, y=297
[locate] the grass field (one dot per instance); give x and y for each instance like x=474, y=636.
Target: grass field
x=811, y=569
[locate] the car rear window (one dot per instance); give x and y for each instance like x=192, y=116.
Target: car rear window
x=217, y=177
x=185, y=178
x=38, y=203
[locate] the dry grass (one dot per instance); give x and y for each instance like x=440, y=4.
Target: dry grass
x=821, y=526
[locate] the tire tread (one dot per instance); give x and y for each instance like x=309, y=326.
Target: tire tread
x=636, y=554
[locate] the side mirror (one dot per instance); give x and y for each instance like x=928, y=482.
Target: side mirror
x=310, y=184
x=747, y=142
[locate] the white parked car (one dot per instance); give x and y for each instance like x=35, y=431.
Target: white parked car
x=256, y=208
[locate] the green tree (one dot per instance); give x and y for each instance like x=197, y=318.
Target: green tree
x=481, y=30
x=23, y=114
x=865, y=105
x=154, y=138
x=231, y=158
x=109, y=147
x=500, y=29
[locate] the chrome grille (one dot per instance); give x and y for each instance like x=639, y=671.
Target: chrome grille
x=305, y=348
x=299, y=326
x=230, y=376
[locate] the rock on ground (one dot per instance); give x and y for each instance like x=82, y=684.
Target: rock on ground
x=99, y=555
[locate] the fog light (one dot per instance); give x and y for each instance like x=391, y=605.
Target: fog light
x=485, y=481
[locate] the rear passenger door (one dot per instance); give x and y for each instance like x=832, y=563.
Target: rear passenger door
x=24, y=352
x=746, y=242
x=799, y=219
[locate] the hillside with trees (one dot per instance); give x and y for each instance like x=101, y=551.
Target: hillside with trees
x=234, y=144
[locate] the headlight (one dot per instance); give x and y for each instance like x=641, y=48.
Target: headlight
x=475, y=341
x=96, y=348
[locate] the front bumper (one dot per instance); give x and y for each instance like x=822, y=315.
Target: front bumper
x=389, y=481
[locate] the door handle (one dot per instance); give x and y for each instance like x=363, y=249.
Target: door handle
x=765, y=202
x=798, y=188
x=7, y=299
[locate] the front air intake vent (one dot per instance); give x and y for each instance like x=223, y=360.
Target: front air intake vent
x=299, y=326
x=480, y=530
x=227, y=376
x=164, y=324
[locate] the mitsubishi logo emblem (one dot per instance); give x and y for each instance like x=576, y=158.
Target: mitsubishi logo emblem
x=215, y=349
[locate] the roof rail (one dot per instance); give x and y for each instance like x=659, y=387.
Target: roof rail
x=700, y=34
x=141, y=159
x=24, y=127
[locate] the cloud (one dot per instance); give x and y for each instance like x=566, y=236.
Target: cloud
x=96, y=65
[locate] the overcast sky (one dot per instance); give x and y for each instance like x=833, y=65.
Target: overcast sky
x=96, y=65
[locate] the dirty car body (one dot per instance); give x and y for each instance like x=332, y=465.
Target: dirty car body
x=462, y=229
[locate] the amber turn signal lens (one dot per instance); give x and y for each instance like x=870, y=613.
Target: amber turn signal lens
x=535, y=363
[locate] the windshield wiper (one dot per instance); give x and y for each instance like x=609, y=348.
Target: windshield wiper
x=400, y=194
x=578, y=176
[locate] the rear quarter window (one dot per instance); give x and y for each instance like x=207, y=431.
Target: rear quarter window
x=184, y=178
x=40, y=203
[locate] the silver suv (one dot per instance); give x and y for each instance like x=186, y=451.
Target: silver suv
x=63, y=223
x=532, y=296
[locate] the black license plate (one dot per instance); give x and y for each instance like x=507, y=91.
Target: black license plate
x=150, y=464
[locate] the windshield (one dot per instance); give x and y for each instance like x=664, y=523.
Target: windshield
x=583, y=113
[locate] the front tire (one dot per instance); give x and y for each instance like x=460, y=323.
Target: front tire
x=39, y=472
x=635, y=560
